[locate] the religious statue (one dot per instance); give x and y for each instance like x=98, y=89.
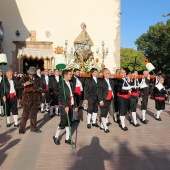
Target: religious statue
x=83, y=44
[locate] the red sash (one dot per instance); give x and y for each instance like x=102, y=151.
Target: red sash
x=46, y=87
x=11, y=95
x=77, y=90
x=126, y=96
x=136, y=93
x=109, y=95
x=160, y=98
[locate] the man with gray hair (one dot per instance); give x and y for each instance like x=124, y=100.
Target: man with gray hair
x=105, y=93
x=144, y=94
x=8, y=94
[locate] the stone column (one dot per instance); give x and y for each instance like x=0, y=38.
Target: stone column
x=52, y=64
x=45, y=64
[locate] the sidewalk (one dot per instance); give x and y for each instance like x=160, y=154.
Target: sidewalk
x=140, y=148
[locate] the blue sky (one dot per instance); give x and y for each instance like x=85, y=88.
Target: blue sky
x=138, y=15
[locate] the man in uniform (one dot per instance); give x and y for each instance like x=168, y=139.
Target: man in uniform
x=53, y=88
x=66, y=106
x=105, y=91
x=10, y=98
x=123, y=96
x=144, y=94
x=45, y=91
x=78, y=90
x=90, y=98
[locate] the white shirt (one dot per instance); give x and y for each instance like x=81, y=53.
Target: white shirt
x=71, y=94
x=0, y=79
x=39, y=75
x=46, y=79
x=69, y=86
x=95, y=79
x=109, y=86
x=12, y=89
x=78, y=83
x=128, y=87
x=57, y=78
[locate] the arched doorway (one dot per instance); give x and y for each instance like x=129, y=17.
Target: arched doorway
x=37, y=63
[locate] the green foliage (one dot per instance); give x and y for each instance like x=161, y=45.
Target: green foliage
x=155, y=45
x=128, y=56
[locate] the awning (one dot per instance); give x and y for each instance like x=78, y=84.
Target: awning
x=35, y=53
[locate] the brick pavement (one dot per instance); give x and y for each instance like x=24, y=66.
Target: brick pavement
x=145, y=147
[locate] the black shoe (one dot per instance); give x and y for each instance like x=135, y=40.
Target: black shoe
x=115, y=120
x=144, y=121
x=125, y=128
x=101, y=128
x=137, y=124
x=21, y=131
x=88, y=126
x=2, y=115
x=36, y=130
x=56, y=140
x=8, y=125
x=108, y=124
x=95, y=124
x=158, y=119
x=107, y=131
x=69, y=142
x=51, y=116
x=42, y=111
x=16, y=125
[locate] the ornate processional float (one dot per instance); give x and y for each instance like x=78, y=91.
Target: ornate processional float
x=83, y=57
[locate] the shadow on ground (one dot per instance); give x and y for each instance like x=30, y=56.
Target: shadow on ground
x=94, y=157
x=5, y=145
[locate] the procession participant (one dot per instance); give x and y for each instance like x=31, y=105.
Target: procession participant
x=105, y=91
x=66, y=106
x=15, y=76
x=38, y=72
x=20, y=91
x=144, y=94
x=53, y=88
x=123, y=96
x=9, y=98
x=49, y=72
x=1, y=102
x=78, y=90
x=42, y=73
x=160, y=94
x=90, y=98
x=115, y=100
x=134, y=95
x=31, y=100
x=45, y=91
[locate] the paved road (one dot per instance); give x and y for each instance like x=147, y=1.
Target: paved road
x=143, y=148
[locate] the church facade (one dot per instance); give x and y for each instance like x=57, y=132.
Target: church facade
x=36, y=28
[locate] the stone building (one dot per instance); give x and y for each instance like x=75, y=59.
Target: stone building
x=37, y=27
